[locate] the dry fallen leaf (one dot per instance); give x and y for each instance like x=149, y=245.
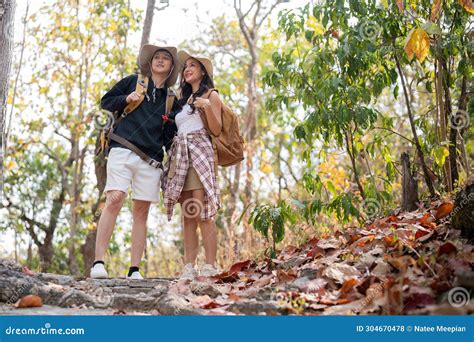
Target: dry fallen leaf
x=226, y=277
x=447, y=248
x=204, y=302
x=263, y=281
x=329, y=243
x=233, y=296
x=348, y=286
x=315, y=252
x=29, y=301
x=27, y=271
x=285, y=276
x=341, y=272
x=239, y=266
x=444, y=210
x=427, y=221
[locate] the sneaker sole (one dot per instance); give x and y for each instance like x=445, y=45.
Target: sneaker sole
x=100, y=276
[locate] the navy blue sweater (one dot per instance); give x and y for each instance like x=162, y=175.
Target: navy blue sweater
x=144, y=126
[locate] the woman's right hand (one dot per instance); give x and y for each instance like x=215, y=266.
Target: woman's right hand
x=133, y=97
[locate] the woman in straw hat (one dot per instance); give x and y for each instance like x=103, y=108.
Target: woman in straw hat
x=143, y=128
x=189, y=176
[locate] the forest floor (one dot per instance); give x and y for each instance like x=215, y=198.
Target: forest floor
x=406, y=263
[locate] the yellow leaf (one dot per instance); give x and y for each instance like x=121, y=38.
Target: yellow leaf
x=266, y=168
x=316, y=26
x=435, y=10
x=468, y=5
x=10, y=165
x=417, y=43
x=384, y=3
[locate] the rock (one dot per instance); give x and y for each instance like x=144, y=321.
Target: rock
x=252, y=307
x=12, y=288
x=75, y=298
x=9, y=265
x=202, y=288
x=139, y=302
x=56, y=278
x=48, y=310
x=172, y=305
x=115, y=282
x=50, y=293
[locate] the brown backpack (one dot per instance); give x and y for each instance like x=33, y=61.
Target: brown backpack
x=229, y=144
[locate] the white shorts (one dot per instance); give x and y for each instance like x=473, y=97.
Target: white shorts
x=125, y=166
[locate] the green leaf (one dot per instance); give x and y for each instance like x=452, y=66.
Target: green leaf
x=440, y=153
x=431, y=28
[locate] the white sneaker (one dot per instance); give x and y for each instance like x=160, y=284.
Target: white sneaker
x=135, y=275
x=98, y=272
x=189, y=272
x=208, y=270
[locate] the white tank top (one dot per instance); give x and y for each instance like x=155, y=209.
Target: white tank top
x=187, y=122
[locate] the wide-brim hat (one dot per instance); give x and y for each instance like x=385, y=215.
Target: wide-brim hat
x=183, y=56
x=146, y=54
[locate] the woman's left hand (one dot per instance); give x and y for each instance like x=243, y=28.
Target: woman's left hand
x=202, y=103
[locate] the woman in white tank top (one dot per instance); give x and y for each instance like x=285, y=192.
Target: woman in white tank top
x=189, y=175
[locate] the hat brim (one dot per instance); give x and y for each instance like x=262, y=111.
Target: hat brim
x=183, y=56
x=146, y=54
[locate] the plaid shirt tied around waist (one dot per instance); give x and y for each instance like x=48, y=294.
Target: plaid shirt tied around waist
x=192, y=149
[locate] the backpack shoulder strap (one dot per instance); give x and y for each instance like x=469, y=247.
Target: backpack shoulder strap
x=170, y=97
x=140, y=88
x=209, y=92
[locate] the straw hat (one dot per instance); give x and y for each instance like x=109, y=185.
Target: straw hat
x=183, y=56
x=146, y=54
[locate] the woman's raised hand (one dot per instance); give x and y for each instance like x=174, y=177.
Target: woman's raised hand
x=202, y=103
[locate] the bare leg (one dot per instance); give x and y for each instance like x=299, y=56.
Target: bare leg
x=113, y=204
x=190, y=223
x=208, y=232
x=139, y=229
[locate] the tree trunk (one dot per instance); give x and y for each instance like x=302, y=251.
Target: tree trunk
x=419, y=151
x=442, y=124
x=250, y=29
x=88, y=251
x=46, y=252
x=452, y=127
x=463, y=212
x=150, y=11
x=7, y=16
x=463, y=116
x=350, y=151
x=73, y=220
x=410, y=186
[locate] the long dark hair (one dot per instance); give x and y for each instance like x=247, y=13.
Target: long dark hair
x=186, y=90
